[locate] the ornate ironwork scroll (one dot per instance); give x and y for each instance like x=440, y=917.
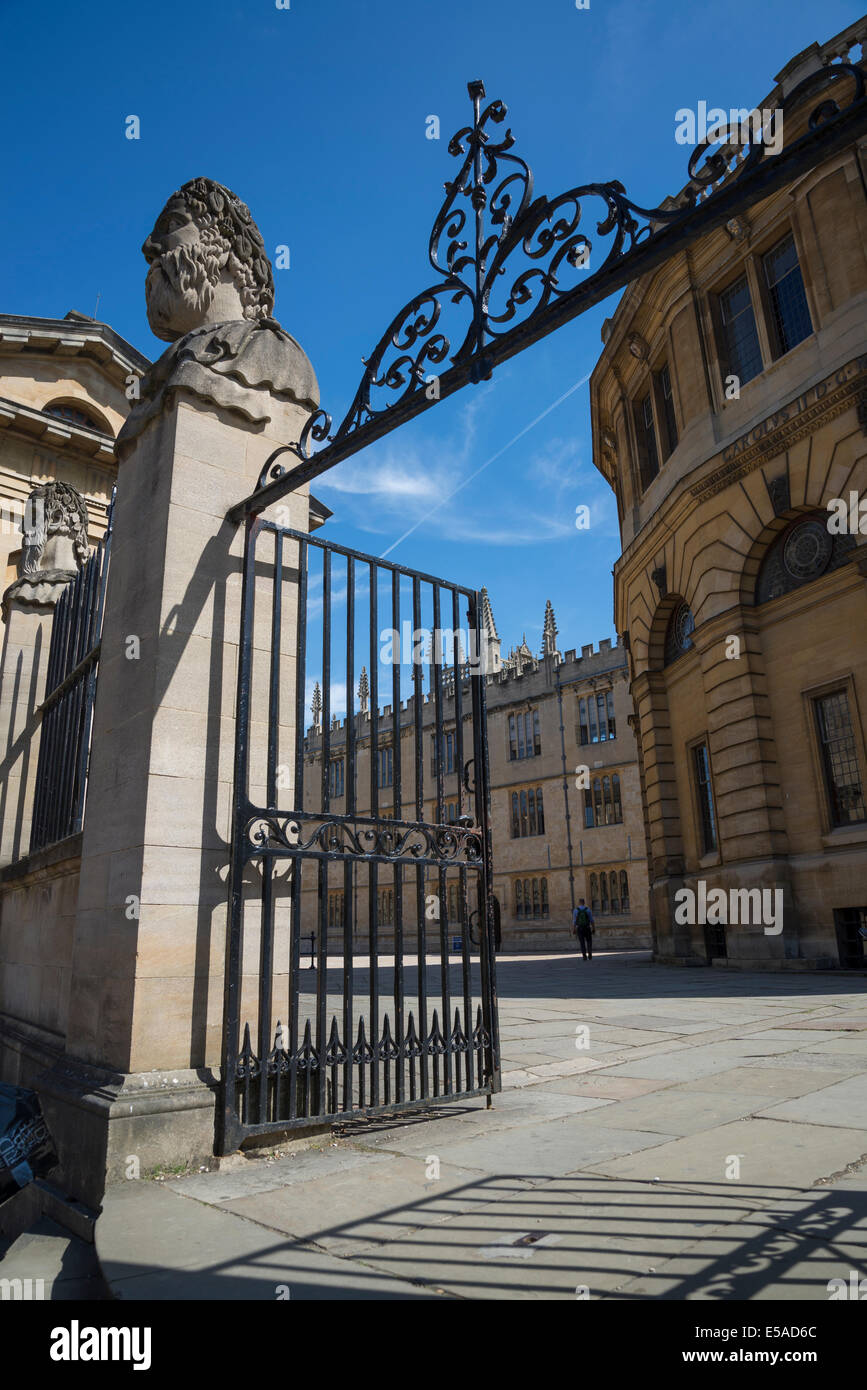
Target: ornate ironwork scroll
x=513, y=266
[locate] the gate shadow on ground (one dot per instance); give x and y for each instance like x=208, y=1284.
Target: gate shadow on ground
x=529, y=1236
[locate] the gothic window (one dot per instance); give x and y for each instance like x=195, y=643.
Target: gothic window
x=528, y=817
x=803, y=552
x=617, y=810
x=524, y=735
x=678, y=634
x=594, y=892
x=615, y=899
x=335, y=777
x=624, y=891
x=603, y=891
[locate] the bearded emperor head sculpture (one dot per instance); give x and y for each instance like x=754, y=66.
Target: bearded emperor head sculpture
x=210, y=294
x=207, y=262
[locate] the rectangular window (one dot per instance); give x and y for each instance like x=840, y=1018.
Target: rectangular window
x=843, y=784
x=335, y=909
x=704, y=792
x=742, y=352
x=524, y=735
x=647, y=440
x=612, y=728
x=789, y=312
x=583, y=730
x=588, y=810
x=335, y=777
x=667, y=397
x=386, y=766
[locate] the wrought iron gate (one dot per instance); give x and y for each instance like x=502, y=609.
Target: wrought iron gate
x=361, y=842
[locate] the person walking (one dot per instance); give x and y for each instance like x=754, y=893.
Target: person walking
x=583, y=927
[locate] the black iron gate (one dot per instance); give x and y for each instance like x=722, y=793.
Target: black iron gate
x=360, y=830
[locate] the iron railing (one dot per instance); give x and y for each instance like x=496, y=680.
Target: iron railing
x=66, y=713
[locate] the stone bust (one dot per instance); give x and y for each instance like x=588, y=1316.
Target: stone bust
x=210, y=294
x=55, y=543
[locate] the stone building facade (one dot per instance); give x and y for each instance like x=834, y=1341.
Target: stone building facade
x=729, y=411
x=565, y=797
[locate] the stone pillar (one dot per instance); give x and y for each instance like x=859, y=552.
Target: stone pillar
x=137, y=1086
x=146, y=999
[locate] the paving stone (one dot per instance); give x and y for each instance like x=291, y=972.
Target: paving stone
x=672, y=1112
x=772, y=1153
x=602, y=1083
x=844, y=1104
x=771, y=1081
x=550, y=1149
x=397, y=1198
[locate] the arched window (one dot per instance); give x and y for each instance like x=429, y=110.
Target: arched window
x=519, y=898
x=678, y=634
x=528, y=910
x=540, y=817
x=606, y=793
x=597, y=801
x=75, y=415
x=615, y=897
x=615, y=791
x=531, y=797
x=594, y=893
x=523, y=813
x=588, y=809
x=624, y=891
x=803, y=552
x=537, y=902
x=544, y=883
x=603, y=890
x=516, y=821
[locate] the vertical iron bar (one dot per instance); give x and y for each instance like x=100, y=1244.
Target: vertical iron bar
x=482, y=796
x=373, y=877
x=298, y=798
x=437, y=672
x=420, y=904
x=322, y=959
x=266, y=926
x=349, y=869
x=234, y=927
x=397, y=928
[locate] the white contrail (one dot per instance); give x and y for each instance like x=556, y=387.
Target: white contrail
x=492, y=459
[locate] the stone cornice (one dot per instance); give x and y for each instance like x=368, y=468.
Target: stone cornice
x=70, y=337
x=60, y=434
x=792, y=422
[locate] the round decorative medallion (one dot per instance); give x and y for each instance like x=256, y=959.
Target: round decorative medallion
x=807, y=550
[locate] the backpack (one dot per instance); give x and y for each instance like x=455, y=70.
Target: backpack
x=582, y=918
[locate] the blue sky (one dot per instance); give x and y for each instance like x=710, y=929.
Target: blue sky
x=316, y=117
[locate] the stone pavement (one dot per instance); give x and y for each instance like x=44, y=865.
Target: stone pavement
x=705, y=1137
